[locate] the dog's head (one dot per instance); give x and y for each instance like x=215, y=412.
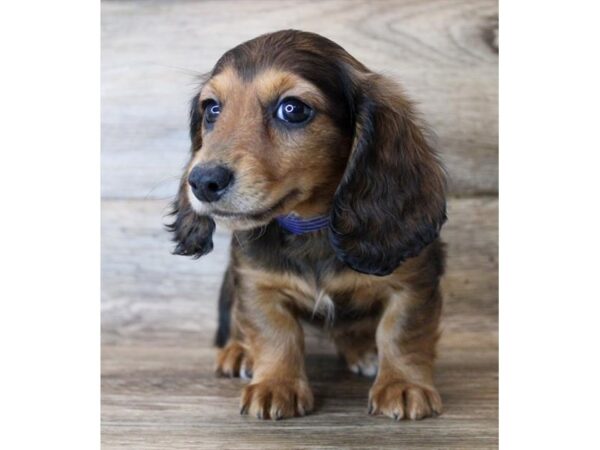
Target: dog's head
x=290, y=122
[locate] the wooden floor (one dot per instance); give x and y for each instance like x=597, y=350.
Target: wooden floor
x=159, y=311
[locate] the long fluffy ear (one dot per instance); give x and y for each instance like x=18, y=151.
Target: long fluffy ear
x=195, y=123
x=192, y=232
x=391, y=202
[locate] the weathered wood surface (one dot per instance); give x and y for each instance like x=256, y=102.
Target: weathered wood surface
x=443, y=52
x=159, y=316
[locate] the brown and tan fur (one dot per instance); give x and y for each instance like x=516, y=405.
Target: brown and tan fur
x=373, y=275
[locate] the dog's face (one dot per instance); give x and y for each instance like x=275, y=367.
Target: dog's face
x=290, y=122
x=269, y=146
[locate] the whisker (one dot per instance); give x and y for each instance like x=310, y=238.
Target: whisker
x=238, y=240
x=158, y=184
x=180, y=69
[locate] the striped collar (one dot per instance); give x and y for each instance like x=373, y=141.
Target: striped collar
x=297, y=225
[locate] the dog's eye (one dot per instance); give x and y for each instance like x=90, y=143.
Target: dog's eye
x=292, y=110
x=211, y=111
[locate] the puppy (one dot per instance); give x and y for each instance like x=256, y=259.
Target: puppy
x=336, y=201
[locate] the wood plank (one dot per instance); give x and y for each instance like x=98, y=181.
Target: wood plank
x=164, y=397
x=442, y=51
x=159, y=315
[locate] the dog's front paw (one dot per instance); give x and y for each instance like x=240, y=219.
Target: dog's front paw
x=400, y=399
x=277, y=399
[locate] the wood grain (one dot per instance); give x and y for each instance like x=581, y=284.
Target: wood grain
x=158, y=319
x=444, y=52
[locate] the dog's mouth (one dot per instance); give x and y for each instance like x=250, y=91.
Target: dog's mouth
x=259, y=215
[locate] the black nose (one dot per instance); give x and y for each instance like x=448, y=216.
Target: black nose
x=209, y=183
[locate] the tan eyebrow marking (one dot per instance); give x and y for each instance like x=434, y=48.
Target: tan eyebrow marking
x=274, y=84
x=220, y=85
x=268, y=86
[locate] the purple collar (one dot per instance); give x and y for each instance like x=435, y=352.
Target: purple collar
x=297, y=225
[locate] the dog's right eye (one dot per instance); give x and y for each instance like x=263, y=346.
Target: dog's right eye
x=211, y=111
x=293, y=111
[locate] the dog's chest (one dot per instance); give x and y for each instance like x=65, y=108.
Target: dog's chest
x=304, y=268
x=339, y=298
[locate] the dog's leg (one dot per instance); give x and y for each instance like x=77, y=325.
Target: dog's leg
x=355, y=342
x=279, y=386
x=406, y=339
x=226, y=300
x=233, y=360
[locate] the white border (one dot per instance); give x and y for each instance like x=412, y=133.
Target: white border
x=49, y=239
x=548, y=224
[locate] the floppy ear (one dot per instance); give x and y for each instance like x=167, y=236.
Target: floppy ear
x=195, y=123
x=391, y=202
x=192, y=232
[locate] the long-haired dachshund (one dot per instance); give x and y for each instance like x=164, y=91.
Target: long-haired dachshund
x=336, y=201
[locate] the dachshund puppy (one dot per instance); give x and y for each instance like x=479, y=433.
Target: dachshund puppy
x=336, y=201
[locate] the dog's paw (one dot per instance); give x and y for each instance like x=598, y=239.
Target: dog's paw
x=400, y=399
x=277, y=399
x=365, y=365
x=233, y=361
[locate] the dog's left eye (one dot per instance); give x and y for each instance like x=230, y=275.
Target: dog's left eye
x=292, y=110
x=211, y=111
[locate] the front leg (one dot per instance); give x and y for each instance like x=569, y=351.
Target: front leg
x=279, y=386
x=406, y=339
